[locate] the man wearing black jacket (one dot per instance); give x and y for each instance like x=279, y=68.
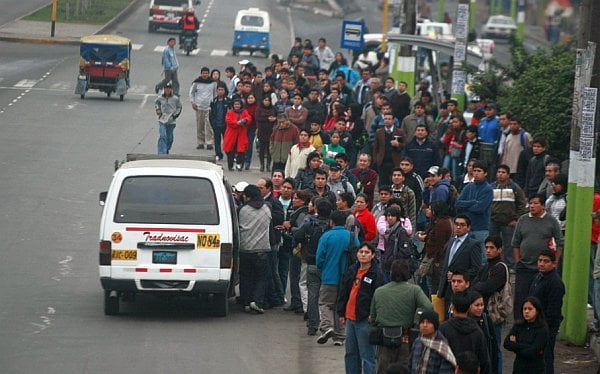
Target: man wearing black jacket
x=464, y=334
x=316, y=109
x=357, y=287
x=308, y=237
x=550, y=289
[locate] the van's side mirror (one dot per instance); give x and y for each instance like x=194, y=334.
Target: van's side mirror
x=102, y=198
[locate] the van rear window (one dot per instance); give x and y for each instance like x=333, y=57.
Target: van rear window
x=167, y=200
x=253, y=21
x=179, y=3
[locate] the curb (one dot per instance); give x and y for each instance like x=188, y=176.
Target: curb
x=67, y=41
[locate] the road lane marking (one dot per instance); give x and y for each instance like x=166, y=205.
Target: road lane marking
x=26, y=83
x=159, y=48
x=136, y=47
x=218, y=52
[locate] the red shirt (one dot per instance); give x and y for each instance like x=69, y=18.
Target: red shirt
x=595, y=227
x=366, y=219
x=351, y=304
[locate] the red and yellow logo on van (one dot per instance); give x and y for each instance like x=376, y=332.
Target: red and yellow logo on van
x=116, y=237
x=208, y=241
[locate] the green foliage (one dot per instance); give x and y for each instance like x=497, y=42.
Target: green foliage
x=90, y=11
x=538, y=89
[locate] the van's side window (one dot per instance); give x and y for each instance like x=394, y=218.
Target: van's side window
x=167, y=200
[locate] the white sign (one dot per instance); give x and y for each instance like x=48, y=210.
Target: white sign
x=460, y=52
x=459, y=78
x=462, y=21
x=588, y=111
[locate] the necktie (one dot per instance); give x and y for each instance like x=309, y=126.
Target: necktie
x=454, y=248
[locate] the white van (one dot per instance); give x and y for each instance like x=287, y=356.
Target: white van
x=168, y=226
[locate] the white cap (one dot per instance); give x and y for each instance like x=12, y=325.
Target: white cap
x=240, y=186
x=244, y=62
x=433, y=170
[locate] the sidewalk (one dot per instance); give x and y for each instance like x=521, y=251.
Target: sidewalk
x=22, y=31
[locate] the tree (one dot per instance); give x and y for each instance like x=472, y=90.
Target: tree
x=537, y=88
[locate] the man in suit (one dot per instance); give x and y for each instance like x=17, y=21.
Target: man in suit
x=387, y=149
x=462, y=253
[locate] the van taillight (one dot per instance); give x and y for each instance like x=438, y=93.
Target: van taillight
x=156, y=12
x=105, y=252
x=226, y=255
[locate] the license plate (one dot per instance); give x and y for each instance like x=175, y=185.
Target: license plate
x=209, y=241
x=124, y=254
x=164, y=257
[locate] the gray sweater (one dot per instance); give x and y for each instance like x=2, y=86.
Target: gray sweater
x=254, y=221
x=532, y=235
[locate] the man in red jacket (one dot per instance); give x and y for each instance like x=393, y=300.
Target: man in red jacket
x=189, y=24
x=367, y=178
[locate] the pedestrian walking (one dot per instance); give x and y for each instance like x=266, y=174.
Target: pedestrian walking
x=170, y=67
x=168, y=108
x=202, y=93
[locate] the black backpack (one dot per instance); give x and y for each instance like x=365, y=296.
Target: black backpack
x=314, y=233
x=403, y=248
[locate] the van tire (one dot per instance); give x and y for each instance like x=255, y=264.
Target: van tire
x=221, y=304
x=111, y=304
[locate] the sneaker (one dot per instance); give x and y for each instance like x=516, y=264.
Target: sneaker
x=258, y=309
x=218, y=158
x=247, y=167
x=311, y=332
x=200, y=146
x=338, y=343
x=209, y=147
x=247, y=309
x=239, y=167
x=325, y=336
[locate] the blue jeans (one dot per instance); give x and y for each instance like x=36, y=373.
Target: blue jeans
x=498, y=330
x=360, y=355
x=283, y=265
x=219, y=131
x=313, y=283
x=481, y=235
x=165, y=138
x=251, y=135
x=273, y=294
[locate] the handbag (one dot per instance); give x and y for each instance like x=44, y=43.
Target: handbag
x=500, y=304
x=392, y=337
x=425, y=267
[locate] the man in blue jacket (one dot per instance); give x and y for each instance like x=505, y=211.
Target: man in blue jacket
x=331, y=262
x=475, y=201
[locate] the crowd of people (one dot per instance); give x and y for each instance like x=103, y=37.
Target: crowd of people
x=379, y=204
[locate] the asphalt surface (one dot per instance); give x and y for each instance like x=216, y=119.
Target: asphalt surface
x=57, y=153
x=14, y=9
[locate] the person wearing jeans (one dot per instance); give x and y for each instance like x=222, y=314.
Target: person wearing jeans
x=168, y=108
x=357, y=287
x=218, y=110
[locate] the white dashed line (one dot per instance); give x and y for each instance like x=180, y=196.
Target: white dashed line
x=218, y=52
x=136, y=47
x=159, y=48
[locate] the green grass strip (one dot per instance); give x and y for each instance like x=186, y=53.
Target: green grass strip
x=98, y=11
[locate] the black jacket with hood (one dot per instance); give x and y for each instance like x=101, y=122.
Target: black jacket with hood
x=463, y=335
x=370, y=281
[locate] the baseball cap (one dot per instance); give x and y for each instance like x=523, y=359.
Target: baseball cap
x=240, y=186
x=433, y=170
x=491, y=106
x=169, y=84
x=335, y=166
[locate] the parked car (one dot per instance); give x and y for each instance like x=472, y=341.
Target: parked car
x=499, y=27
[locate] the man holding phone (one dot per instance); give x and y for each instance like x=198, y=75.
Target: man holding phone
x=387, y=148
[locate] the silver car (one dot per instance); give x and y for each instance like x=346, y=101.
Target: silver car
x=499, y=27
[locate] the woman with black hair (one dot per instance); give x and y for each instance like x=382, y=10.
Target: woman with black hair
x=528, y=339
x=304, y=179
x=477, y=313
x=435, y=237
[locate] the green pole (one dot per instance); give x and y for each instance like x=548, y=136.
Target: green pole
x=472, y=15
x=513, y=9
x=441, y=10
x=521, y=21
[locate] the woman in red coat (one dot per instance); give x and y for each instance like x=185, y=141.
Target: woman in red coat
x=250, y=107
x=364, y=216
x=235, y=142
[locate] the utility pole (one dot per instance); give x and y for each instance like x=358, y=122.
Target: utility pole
x=403, y=67
x=53, y=17
x=461, y=33
x=513, y=9
x=472, y=15
x=521, y=20
x=384, y=27
x=441, y=10
x=582, y=165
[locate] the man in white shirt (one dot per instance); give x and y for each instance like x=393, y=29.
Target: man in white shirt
x=325, y=54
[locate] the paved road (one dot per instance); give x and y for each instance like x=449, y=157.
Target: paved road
x=14, y=9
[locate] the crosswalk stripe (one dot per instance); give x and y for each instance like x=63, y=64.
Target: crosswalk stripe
x=26, y=83
x=218, y=52
x=159, y=48
x=136, y=47
x=194, y=52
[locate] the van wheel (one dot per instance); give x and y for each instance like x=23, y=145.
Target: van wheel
x=121, y=97
x=221, y=304
x=111, y=303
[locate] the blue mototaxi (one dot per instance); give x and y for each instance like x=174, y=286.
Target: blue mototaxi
x=251, y=31
x=104, y=64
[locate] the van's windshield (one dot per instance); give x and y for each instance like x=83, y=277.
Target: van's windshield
x=179, y=3
x=252, y=21
x=167, y=200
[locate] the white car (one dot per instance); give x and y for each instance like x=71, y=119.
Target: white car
x=499, y=27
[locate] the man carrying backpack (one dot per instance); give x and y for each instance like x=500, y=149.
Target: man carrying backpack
x=308, y=236
x=332, y=260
